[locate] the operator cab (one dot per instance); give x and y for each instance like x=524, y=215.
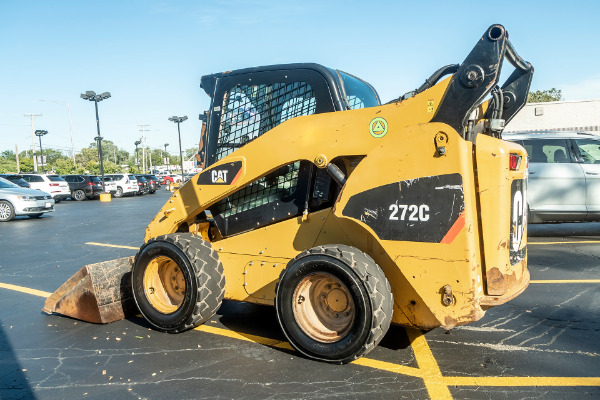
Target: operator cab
x=247, y=103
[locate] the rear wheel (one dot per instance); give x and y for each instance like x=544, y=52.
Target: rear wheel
x=79, y=195
x=178, y=281
x=334, y=303
x=119, y=192
x=7, y=211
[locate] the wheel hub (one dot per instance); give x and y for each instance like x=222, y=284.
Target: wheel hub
x=164, y=284
x=323, y=307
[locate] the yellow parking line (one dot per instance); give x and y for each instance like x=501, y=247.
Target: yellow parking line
x=112, y=245
x=23, y=289
x=566, y=281
x=389, y=367
x=520, y=381
x=366, y=362
x=246, y=337
x=432, y=375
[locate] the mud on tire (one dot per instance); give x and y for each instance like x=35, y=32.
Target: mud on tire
x=334, y=303
x=177, y=281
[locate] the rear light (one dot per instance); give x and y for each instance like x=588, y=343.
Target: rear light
x=515, y=162
x=91, y=183
x=54, y=184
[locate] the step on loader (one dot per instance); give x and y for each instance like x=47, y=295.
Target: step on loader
x=345, y=214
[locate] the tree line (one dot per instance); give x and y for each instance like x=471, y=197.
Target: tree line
x=87, y=160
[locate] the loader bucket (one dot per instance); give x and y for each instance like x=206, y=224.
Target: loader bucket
x=99, y=293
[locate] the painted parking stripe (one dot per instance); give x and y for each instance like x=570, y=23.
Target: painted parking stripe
x=520, y=381
x=23, y=289
x=432, y=375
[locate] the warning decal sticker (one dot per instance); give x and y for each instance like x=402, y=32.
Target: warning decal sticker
x=378, y=127
x=428, y=209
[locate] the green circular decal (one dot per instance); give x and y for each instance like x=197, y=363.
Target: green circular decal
x=378, y=127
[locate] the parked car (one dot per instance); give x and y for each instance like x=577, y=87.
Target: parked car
x=153, y=183
x=16, y=200
x=126, y=184
x=16, y=179
x=564, y=175
x=84, y=186
x=110, y=185
x=170, y=178
x=49, y=183
x=143, y=186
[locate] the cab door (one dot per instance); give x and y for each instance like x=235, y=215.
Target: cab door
x=588, y=155
x=556, y=184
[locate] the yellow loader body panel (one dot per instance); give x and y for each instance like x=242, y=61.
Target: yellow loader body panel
x=421, y=274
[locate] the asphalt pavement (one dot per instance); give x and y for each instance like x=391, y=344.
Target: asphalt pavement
x=545, y=344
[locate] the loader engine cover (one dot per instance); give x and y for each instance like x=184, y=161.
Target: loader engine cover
x=427, y=209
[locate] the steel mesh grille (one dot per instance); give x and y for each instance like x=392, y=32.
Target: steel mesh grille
x=355, y=102
x=250, y=111
x=271, y=188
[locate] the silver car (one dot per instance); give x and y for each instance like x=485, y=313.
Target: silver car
x=16, y=200
x=564, y=175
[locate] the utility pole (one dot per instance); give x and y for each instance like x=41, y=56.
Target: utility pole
x=17, y=154
x=143, y=130
x=32, y=116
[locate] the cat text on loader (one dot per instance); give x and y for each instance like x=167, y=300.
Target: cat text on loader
x=344, y=214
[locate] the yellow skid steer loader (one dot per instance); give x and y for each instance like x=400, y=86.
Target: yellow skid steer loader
x=345, y=214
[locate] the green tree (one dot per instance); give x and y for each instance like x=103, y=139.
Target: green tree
x=9, y=155
x=86, y=155
x=66, y=166
x=26, y=163
x=542, y=96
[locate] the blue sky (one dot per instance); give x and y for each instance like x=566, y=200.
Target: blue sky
x=150, y=55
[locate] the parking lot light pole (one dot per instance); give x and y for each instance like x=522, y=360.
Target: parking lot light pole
x=39, y=133
x=166, y=157
x=137, y=143
x=92, y=96
x=179, y=120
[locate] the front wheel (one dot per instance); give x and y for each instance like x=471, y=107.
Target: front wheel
x=178, y=281
x=79, y=195
x=334, y=303
x=7, y=211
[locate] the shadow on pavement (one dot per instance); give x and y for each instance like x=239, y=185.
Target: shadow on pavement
x=13, y=382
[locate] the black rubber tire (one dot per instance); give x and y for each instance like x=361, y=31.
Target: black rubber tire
x=203, y=274
x=79, y=195
x=370, y=292
x=7, y=211
x=119, y=192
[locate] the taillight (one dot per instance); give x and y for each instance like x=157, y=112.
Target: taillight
x=54, y=184
x=515, y=162
x=91, y=183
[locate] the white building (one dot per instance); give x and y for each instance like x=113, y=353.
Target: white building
x=580, y=116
